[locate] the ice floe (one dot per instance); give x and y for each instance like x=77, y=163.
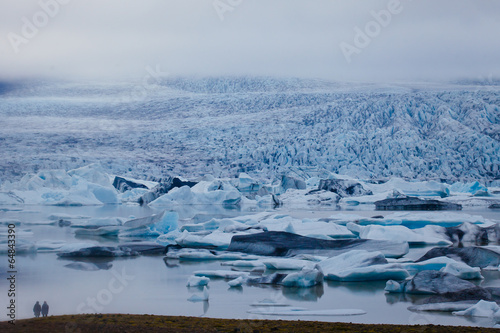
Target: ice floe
x=197, y=281
x=481, y=309
x=293, y=311
x=426, y=235
x=276, y=243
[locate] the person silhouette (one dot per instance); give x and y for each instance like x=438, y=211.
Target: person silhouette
x=36, y=309
x=45, y=309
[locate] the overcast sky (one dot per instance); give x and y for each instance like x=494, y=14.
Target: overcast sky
x=421, y=40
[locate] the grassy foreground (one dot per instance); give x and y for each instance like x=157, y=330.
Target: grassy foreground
x=147, y=323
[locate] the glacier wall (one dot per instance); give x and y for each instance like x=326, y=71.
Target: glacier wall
x=262, y=126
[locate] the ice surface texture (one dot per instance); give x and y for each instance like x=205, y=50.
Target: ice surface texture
x=261, y=126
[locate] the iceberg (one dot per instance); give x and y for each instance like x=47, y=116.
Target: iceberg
x=481, y=309
x=473, y=256
x=186, y=196
x=89, y=266
x=359, y=265
x=303, y=279
x=287, y=264
x=238, y=282
x=221, y=274
x=276, y=243
x=430, y=282
x=398, y=232
x=442, y=307
x=197, y=281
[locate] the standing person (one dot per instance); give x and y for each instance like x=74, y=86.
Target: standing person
x=36, y=309
x=45, y=309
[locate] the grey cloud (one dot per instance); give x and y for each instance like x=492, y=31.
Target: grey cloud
x=435, y=40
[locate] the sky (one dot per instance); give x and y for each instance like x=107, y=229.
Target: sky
x=338, y=40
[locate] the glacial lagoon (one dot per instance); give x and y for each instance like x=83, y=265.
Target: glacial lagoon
x=155, y=285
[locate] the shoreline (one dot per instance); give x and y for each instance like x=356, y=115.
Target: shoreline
x=153, y=323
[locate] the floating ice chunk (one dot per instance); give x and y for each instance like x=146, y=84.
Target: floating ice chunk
x=462, y=271
x=202, y=298
x=481, y=309
x=444, y=264
x=372, y=273
x=191, y=196
x=107, y=231
x=169, y=238
x=302, y=198
x=93, y=173
x=221, y=274
x=430, y=282
x=394, y=287
x=305, y=312
x=472, y=188
x=106, y=195
x=216, y=239
x=303, y=279
x=472, y=255
x=72, y=247
x=10, y=199
x=132, y=195
x=49, y=245
x=22, y=245
x=168, y=222
x=351, y=259
x=244, y=263
x=287, y=264
x=442, y=307
x=61, y=216
x=275, y=243
x=416, y=188
x=398, y=232
x=99, y=222
x=89, y=266
x=421, y=219
x=360, y=265
x=236, y=282
x=197, y=281
x=306, y=227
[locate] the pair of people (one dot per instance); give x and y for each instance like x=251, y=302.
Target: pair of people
x=44, y=309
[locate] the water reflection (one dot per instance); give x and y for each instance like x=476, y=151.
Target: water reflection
x=393, y=298
x=369, y=288
x=311, y=294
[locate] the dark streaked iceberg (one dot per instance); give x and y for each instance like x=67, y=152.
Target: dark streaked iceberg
x=279, y=243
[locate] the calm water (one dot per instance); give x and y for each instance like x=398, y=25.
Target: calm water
x=151, y=285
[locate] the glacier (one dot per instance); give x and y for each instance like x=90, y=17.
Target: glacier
x=261, y=126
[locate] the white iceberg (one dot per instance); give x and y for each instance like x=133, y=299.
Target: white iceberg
x=194, y=196
x=236, y=282
x=398, y=232
x=481, y=309
x=221, y=274
x=303, y=279
x=360, y=265
x=197, y=281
